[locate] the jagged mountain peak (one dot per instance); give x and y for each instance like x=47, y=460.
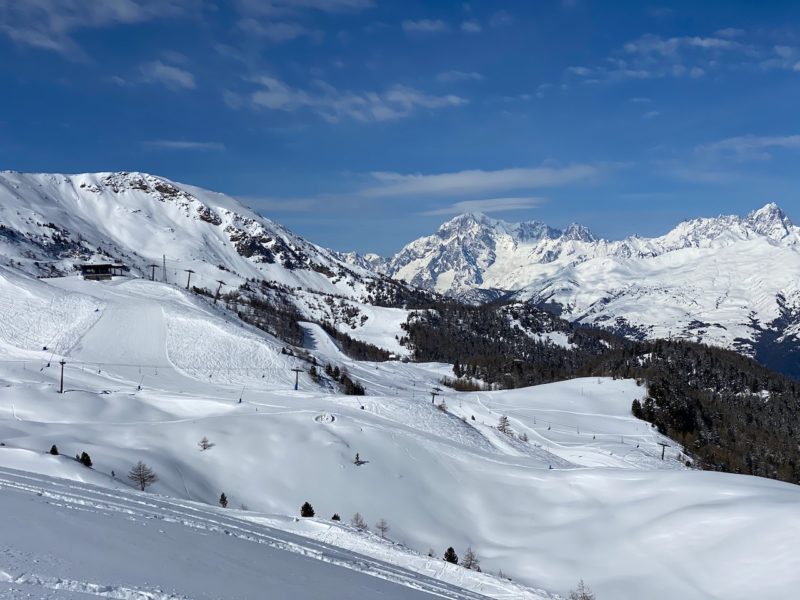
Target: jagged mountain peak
x=477, y=223
x=579, y=232
x=770, y=220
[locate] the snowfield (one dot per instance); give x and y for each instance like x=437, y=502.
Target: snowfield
x=151, y=369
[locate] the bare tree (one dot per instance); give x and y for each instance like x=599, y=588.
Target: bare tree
x=582, y=592
x=142, y=475
x=503, y=426
x=470, y=560
x=382, y=526
x=205, y=444
x=358, y=522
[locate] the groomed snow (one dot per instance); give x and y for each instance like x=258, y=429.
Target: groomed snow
x=587, y=496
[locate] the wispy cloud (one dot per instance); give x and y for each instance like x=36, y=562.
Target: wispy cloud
x=425, y=26
x=489, y=205
x=169, y=76
x=292, y=7
x=185, y=145
x=654, y=44
x=729, y=32
x=651, y=114
x=581, y=71
x=453, y=76
x=653, y=57
x=50, y=24
x=501, y=18
x=747, y=147
x=471, y=27
x=334, y=105
x=278, y=31
x=476, y=181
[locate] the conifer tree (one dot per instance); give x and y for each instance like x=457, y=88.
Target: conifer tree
x=306, y=510
x=223, y=500
x=451, y=556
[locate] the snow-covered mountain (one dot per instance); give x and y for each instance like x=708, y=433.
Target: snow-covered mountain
x=730, y=281
x=50, y=223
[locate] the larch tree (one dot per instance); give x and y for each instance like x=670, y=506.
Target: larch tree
x=142, y=475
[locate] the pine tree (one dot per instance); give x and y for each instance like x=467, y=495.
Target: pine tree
x=457, y=371
x=451, y=556
x=142, y=475
x=503, y=426
x=306, y=510
x=336, y=517
x=204, y=443
x=85, y=460
x=54, y=450
x=223, y=500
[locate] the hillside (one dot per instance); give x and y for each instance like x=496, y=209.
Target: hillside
x=151, y=369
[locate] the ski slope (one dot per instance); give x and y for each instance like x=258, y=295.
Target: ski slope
x=151, y=369
x=161, y=549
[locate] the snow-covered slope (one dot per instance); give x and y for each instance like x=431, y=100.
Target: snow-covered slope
x=158, y=548
x=730, y=281
x=151, y=369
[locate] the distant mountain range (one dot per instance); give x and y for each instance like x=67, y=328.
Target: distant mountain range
x=729, y=281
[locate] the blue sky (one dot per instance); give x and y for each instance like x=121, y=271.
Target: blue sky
x=362, y=124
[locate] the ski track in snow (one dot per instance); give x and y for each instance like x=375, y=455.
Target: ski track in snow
x=84, y=497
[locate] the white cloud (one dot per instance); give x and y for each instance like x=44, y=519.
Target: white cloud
x=290, y=7
x=580, y=71
x=729, y=32
x=489, y=205
x=656, y=45
x=747, y=147
x=278, y=31
x=453, y=76
x=696, y=72
x=425, y=26
x=640, y=100
x=49, y=24
x=476, y=181
x=336, y=105
x=471, y=27
x=185, y=145
x=501, y=19
x=652, y=114
x=173, y=78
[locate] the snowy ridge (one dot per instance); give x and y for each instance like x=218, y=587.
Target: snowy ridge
x=50, y=223
x=706, y=280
